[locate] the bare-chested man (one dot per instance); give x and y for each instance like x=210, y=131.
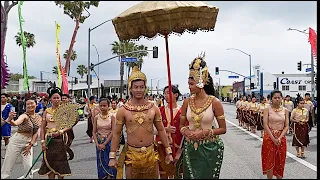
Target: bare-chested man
x=139, y=116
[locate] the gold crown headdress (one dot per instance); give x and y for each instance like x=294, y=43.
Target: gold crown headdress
x=199, y=71
x=136, y=74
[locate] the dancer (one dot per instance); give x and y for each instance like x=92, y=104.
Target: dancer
x=263, y=105
x=288, y=104
x=23, y=140
x=139, y=116
x=300, y=127
x=310, y=107
x=55, y=161
x=253, y=113
x=89, y=111
x=238, y=104
x=274, y=145
x=203, y=148
x=103, y=124
x=169, y=170
x=6, y=108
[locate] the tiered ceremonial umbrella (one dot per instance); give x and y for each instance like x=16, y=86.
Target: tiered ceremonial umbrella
x=150, y=19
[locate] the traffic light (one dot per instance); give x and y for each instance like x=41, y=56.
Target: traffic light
x=251, y=85
x=91, y=68
x=155, y=52
x=299, y=65
x=217, y=70
x=76, y=80
x=274, y=85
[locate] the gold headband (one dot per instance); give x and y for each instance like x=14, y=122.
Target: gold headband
x=136, y=74
x=198, y=73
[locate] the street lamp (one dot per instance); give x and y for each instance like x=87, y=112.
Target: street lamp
x=245, y=54
x=158, y=84
x=98, y=71
x=89, y=62
x=312, y=62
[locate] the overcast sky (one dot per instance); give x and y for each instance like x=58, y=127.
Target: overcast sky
x=258, y=28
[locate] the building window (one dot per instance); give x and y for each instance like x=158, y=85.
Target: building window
x=285, y=88
x=302, y=88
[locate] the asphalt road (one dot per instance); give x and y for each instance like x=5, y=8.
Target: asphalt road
x=242, y=156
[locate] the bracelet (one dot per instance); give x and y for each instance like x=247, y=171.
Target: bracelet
x=112, y=155
x=61, y=132
x=184, y=128
x=168, y=150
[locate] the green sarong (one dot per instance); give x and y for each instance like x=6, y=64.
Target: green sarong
x=203, y=163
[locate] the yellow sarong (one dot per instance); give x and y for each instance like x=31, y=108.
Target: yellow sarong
x=142, y=160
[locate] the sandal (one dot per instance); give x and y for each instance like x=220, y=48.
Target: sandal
x=302, y=155
x=298, y=155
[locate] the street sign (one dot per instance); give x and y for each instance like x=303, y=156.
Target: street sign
x=308, y=70
x=233, y=77
x=129, y=59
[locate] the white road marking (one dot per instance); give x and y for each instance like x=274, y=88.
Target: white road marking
x=301, y=161
x=33, y=171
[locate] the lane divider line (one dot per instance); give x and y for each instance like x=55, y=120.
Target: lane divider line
x=301, y=161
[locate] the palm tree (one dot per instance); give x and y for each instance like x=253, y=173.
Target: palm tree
x=55, y=70
x=30, y=39
x=74, y=56
x=82, y=70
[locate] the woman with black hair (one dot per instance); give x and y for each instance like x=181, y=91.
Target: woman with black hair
x=274, y=144
x=263, y=105
x=300, y=127
x=203, y=148
x=22, y=141
x=168, y=170
x=55, y=160
x=90, y=111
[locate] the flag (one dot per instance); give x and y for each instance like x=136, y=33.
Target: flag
x=24, y=48
x=313, y=42
x=61, y=73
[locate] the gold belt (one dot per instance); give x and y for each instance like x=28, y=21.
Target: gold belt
x=202, y=141
x=140, y=149
x=51, y=130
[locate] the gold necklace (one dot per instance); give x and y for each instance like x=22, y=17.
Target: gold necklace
x=277, y=109
x=104, y=117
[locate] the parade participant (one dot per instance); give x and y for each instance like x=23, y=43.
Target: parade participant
x=90, y=113
x=247, y=116
x=203, y=148
x=243, y=112
x=67, y=99
x=300, y=127
x=103, y=124
x=139, y=116
x=263, y=105
x=253, y=113
x=55, y=161
x=168, y=170
x=113, y=111
x=5, y=110
x=238, y=104
x=23, y=140
x=310, y=107
x=288, y=104
x=274, y=145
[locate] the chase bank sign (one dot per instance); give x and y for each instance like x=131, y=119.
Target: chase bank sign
x=294, y=81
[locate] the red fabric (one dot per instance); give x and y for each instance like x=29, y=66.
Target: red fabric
x=273, y=156
x=313, y=42
x=176, y=124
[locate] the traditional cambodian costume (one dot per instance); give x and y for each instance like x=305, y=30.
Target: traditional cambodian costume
x=260, y=119
x=300, y=127
x=310, y=107
x=273, y=156
x=55, y=158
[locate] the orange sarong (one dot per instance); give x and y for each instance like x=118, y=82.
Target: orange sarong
x=273, y=156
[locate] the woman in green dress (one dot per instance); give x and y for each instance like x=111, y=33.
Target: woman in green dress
x=202, y=148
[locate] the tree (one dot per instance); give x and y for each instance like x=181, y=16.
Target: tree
x=30, y=39
x=121, y=48
x=55, y=70
x=5, y=9
x=17, y=76
x=75, y=10
x=82, y=70
x=74, y=56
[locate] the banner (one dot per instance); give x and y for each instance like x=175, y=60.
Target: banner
x=24, y=48
x=61, y=73
x=313, y=42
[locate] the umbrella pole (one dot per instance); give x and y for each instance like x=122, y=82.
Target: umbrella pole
x=170, y=94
